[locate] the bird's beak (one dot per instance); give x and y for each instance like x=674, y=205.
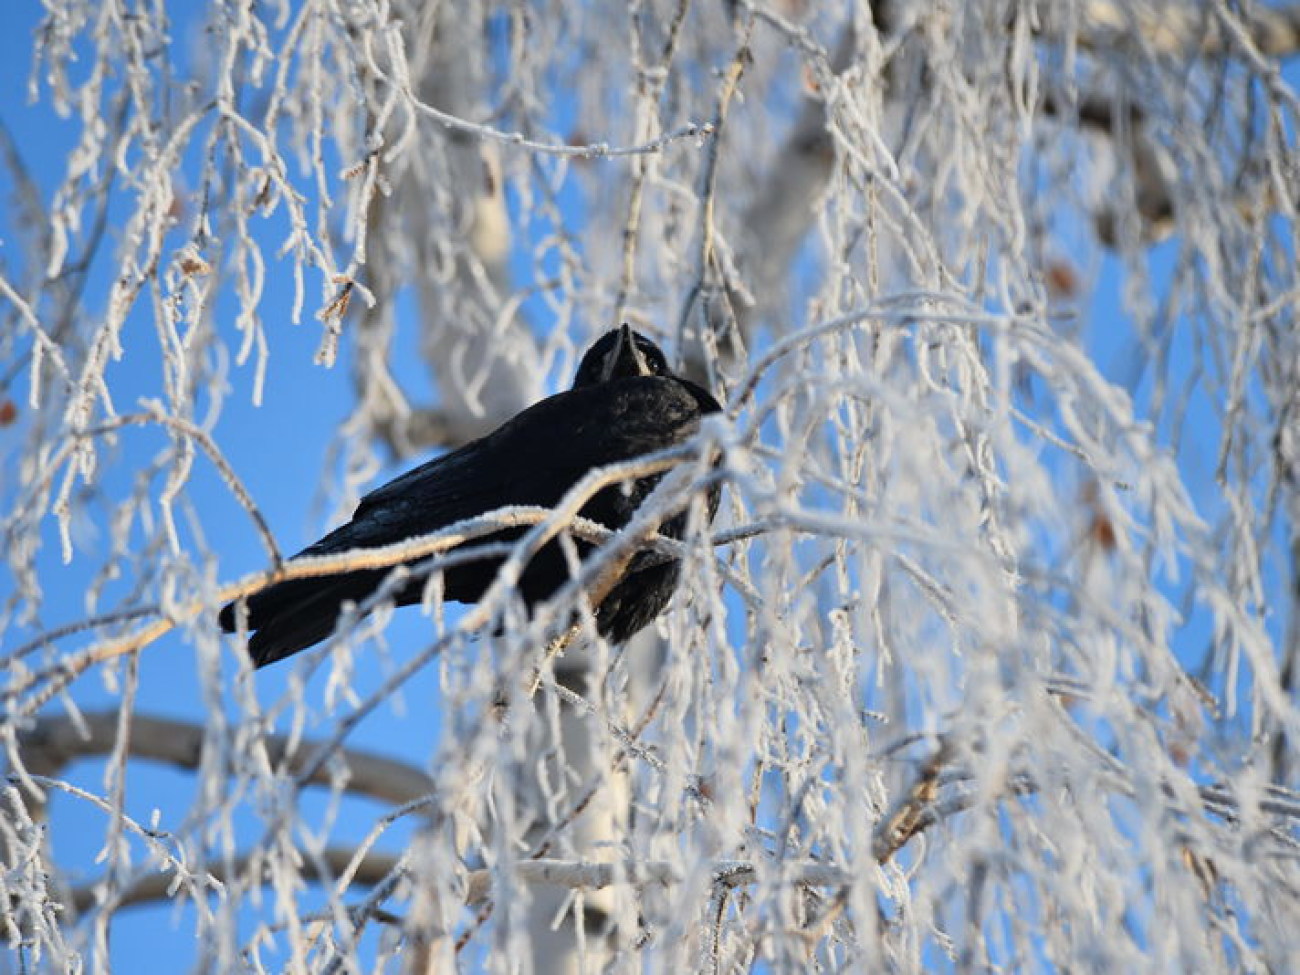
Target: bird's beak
x=625, y=359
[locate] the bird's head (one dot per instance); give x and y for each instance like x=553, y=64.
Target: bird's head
x=620, y=354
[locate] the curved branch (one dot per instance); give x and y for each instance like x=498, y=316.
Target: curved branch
x=54, y=742
x=377, y=868
x=156, y=886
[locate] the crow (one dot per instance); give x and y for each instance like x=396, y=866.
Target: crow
x=625, y=402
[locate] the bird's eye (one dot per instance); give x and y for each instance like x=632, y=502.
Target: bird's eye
x=654, y=360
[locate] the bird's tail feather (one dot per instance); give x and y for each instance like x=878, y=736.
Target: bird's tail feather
x=291, y=616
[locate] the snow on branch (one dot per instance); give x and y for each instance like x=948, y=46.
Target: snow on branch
x=990, y=657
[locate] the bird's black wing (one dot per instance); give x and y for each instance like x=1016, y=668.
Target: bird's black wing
x=532, y=459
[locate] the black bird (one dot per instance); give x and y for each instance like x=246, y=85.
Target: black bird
x=625, y=402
